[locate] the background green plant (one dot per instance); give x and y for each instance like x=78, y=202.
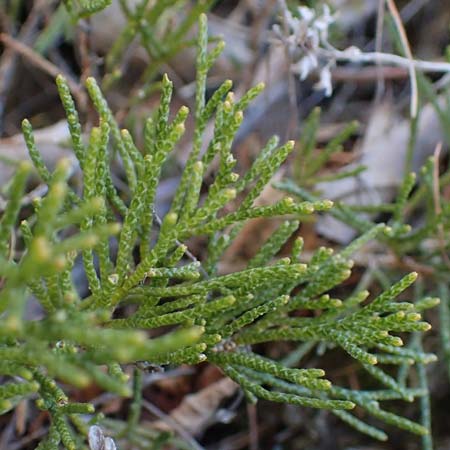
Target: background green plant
x=417, y=216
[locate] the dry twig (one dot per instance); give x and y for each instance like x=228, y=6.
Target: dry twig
x=437, y=203
x=407, y=49
x=45, y=65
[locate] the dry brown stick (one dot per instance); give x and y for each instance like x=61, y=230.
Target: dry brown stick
x=45, y=65
x=83, y=49
x=378, y=48
x=26, y=440
x=253, y=426
x=406, y=47
x=259, y=26
x=7, y=69
x=368, y=74
x=437, y=202
x=8, y=60
x=354, y=54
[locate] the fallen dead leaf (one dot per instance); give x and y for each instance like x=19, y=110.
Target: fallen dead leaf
x=196, y=410
x=383, y=152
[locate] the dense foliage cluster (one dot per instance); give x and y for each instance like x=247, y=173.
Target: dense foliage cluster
x=150, y=300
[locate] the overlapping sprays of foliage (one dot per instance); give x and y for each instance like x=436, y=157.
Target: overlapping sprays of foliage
x=132, y=258
x=418, y=220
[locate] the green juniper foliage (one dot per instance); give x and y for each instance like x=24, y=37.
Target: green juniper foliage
x=85, y=8
x=207, y=316
x=424, y=243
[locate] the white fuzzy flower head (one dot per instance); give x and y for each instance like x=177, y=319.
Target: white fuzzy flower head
x=306, y=13
x=304, y=34
x=323, y=23
x=325, y=81
x=305, y=65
